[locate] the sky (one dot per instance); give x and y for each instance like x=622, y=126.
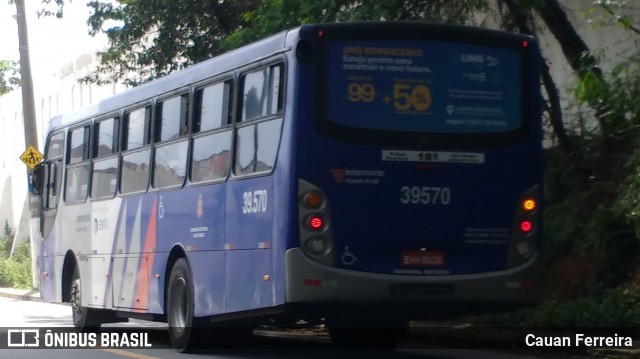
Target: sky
x=53, y=42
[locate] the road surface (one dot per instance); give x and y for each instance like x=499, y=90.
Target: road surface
x=28, y=314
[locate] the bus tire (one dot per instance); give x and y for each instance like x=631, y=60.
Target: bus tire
x=180, y=307
x=84, y=319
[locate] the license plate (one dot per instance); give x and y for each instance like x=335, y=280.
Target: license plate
x=423, y=258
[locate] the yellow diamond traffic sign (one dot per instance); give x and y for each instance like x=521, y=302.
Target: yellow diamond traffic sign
x=31, y=157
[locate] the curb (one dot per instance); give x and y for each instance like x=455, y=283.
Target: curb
x=32, y=295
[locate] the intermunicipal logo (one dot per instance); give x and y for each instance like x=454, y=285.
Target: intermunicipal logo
x=23, y=338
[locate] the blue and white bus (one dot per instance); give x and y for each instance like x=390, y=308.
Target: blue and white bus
x=354, y=174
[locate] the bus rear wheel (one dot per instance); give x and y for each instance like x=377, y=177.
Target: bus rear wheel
x=84, y=319
x=180, y=307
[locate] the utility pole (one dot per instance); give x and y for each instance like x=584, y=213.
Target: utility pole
x=30, y=134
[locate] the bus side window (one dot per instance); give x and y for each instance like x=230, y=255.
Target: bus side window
x=170, y=160
x=262, y=95
x=78, y=167
x=136, y=154
x=257, y=142
x=53, y=171
x=212, y=150
x=105, y=165
x=172, y=118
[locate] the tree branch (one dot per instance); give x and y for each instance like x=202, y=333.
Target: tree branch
x=607, y=8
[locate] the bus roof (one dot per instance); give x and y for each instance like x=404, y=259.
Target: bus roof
x=198, y=72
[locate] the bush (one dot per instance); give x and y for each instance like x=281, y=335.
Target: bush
x=15, y=272
x=618, y=308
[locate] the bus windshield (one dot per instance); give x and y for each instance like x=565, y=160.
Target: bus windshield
x=423, y=86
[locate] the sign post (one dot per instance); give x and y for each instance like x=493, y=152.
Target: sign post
x=32, y=157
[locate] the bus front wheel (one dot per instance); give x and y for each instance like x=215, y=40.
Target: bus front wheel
x=83, y=318
x=180, y=307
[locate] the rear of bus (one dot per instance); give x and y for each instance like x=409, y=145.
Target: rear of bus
x=418, y=161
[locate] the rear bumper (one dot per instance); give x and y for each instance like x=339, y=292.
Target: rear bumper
x=311, y=282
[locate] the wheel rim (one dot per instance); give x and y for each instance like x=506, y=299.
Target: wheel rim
x=76, y=294
x=179, y=304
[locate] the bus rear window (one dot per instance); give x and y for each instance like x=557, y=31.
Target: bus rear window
x=424, y=87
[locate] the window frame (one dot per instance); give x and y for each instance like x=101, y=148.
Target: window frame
x=197, y=103
x=184, y=135
x=156, y=132
x=226, y=126
x=87, y=125
x=49, y=162
x=279, y=61
x=115, y=148
x=260, y=66
x=115, y=151
x=124, y=126
x=147, y=144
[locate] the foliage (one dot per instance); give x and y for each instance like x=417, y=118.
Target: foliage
x=629, y=198
x=9, y=76
x=612, y=12
x=15, y=272
x=592, y=196
x=7, y=229
x=52, y=8
x=278, y=15
x=151, y=38
x=617, y=308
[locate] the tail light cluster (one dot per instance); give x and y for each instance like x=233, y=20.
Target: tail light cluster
x=526, y=227
x=316, y=239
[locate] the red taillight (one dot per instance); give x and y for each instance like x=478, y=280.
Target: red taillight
x=315, y=222
x=526, y=226
x=525, y=43
x=320, y=33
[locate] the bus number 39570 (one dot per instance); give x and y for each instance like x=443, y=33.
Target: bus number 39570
x=254, y=201
x=425, y=195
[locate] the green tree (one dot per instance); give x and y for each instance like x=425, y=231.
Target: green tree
x=157, y=37
x=151, y=38
x=277, y=15
x=9, y=76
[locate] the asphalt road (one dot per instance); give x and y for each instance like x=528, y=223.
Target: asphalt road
x=16, y=313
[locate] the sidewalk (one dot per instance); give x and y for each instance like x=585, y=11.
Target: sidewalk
x=22, y=294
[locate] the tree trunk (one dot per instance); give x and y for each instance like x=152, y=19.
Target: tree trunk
x=522, y=20
x=555, y=110
x=575, y=51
